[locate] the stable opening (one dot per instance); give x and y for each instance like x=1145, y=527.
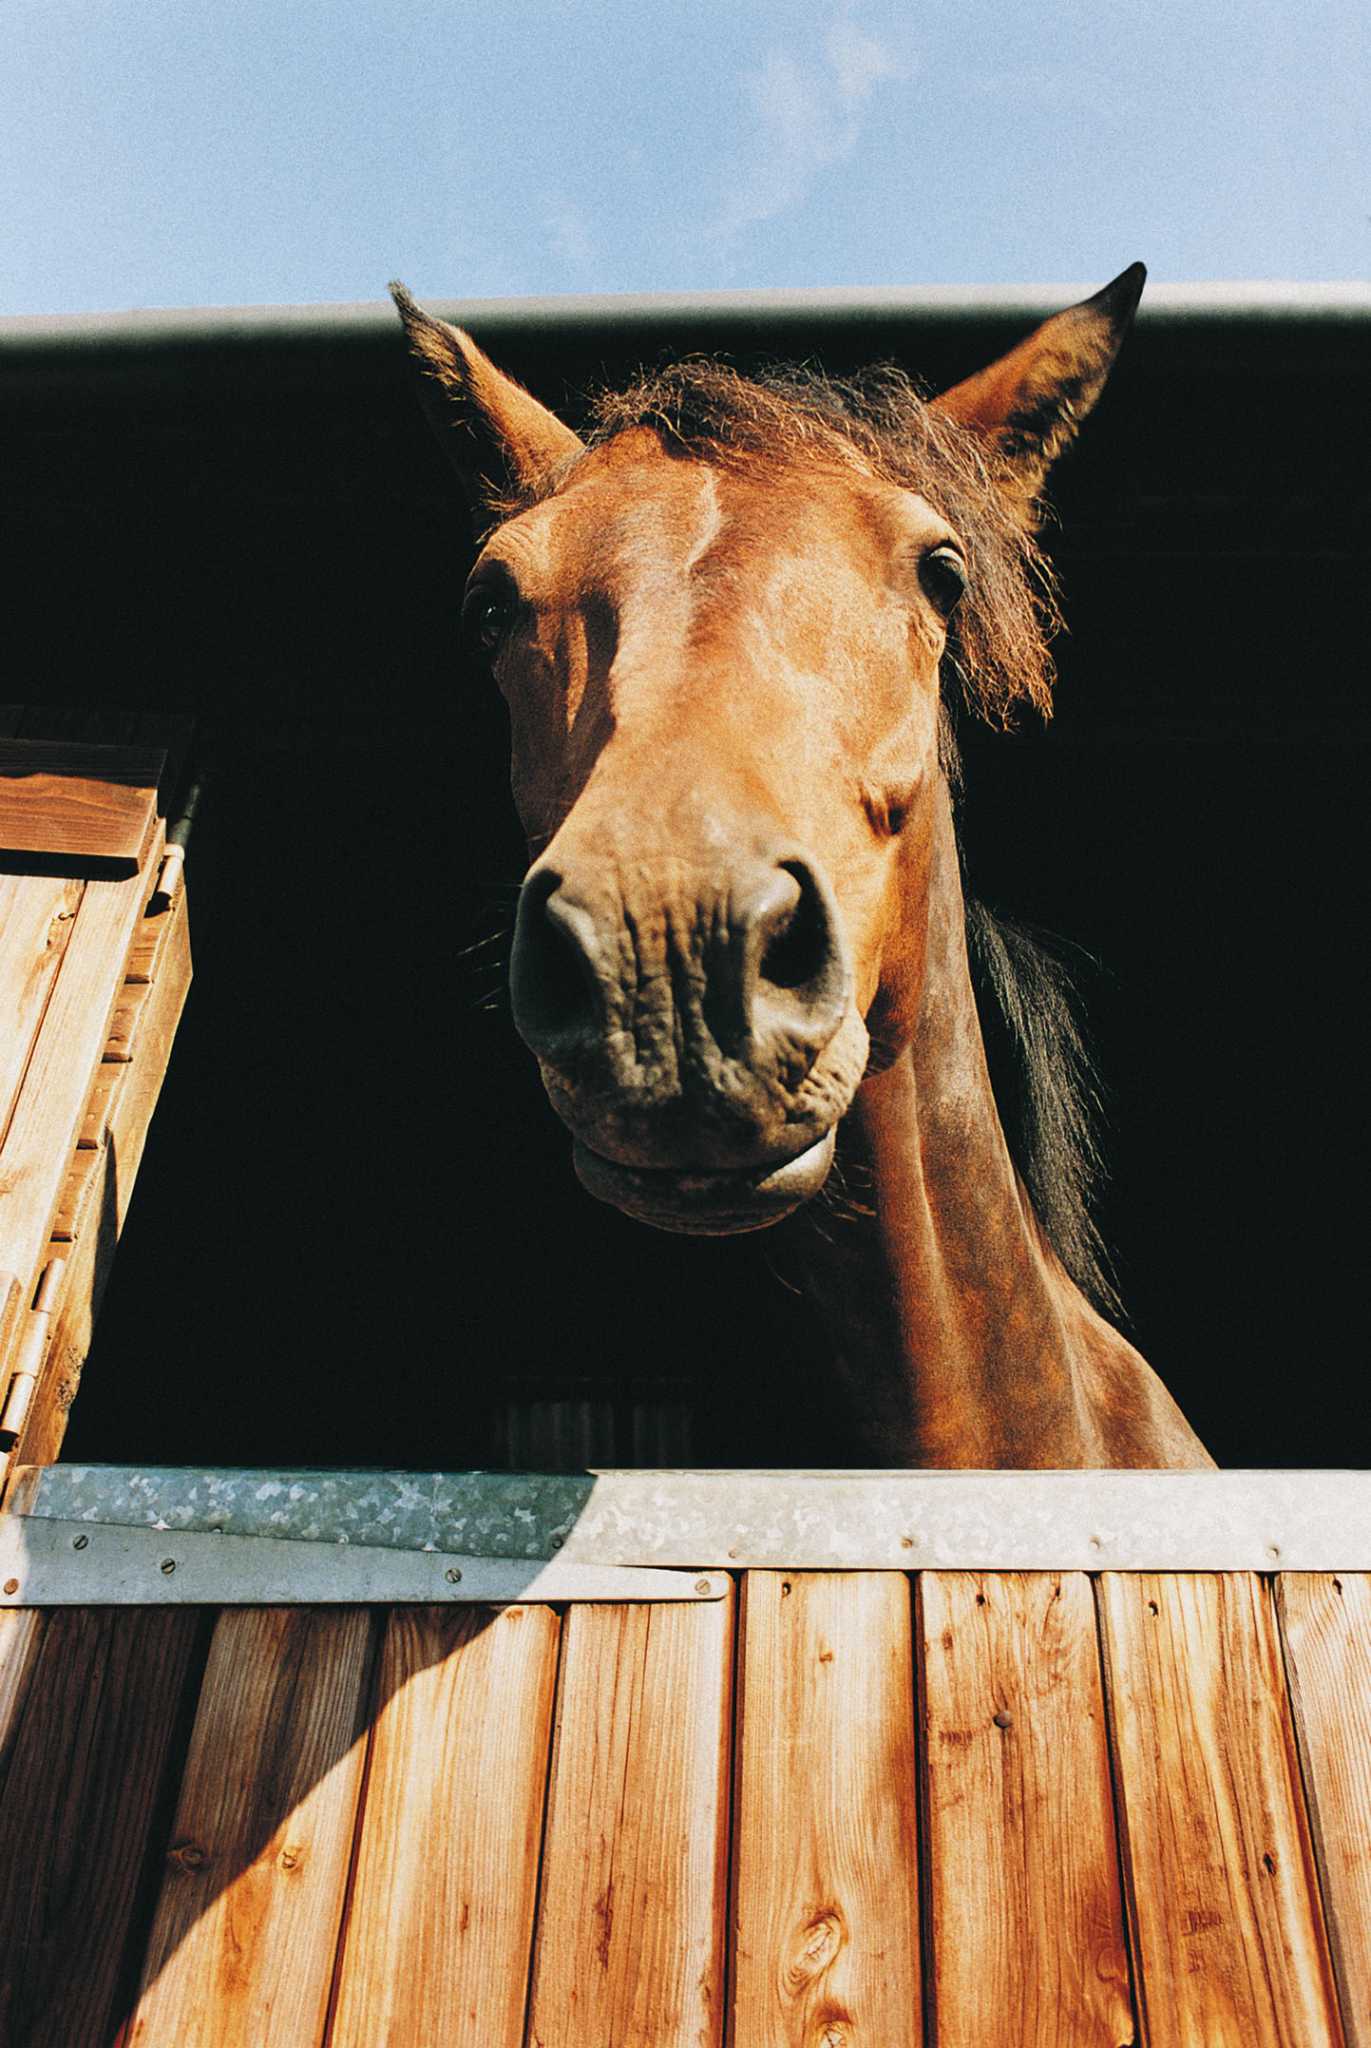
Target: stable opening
x=357, y=1238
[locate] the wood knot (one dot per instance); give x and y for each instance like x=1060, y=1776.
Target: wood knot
x=291, y=1856
x=603, y=1912
x=187, y=1856
x=816, y=1945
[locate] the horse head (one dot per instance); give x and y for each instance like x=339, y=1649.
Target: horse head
x=724, y=624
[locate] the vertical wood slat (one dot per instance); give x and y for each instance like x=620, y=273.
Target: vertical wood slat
x=825, y=1893
x=1229, y=1942
x=46, y=1118
x=438, y=1939
x=21, y=1634
x=246, y=1924
x=1326, y=1622
x=36, y=915
x=1026, y=1936
x=120, y=1129
x=630, y=1943
x=86, y=1779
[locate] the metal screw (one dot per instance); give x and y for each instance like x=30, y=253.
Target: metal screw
x=1095, y=1542
x=1003, y=1720
x=453, y=1575
x=79, y=1542
x=557, y=1542
x=1273, y=1550
x=168, y=1567
x=11, y=1585
x=703, y=1586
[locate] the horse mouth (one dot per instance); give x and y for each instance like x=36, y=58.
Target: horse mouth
x=704, y=1203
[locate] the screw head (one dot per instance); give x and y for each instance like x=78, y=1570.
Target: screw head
x=80, y=1542
x=703, y=1586
x=11, y=1585
x=453, y=1575
x=168, y=1567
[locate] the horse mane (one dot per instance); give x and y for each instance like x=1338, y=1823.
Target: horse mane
x=879, y=422
x=1046, y=1089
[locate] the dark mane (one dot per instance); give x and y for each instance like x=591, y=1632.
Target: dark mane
x=1045, y=1089
x=997, y=658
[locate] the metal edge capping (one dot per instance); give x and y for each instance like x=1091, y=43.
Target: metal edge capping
x=1013, y=1521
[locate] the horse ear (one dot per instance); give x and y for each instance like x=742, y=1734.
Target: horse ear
x=497, y=436
x=1030, y=403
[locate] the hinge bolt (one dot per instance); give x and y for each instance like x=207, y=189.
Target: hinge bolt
x=168, y=1567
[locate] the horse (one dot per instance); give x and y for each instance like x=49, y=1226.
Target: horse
x=730, y=623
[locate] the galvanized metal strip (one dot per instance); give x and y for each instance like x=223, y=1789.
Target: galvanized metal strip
x=50, y=1563
x=1006, y=1521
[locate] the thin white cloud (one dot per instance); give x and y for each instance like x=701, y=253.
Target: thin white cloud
x=805, y=114
x=569, y=233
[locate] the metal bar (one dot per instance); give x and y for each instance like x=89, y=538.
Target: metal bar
x=49, y=1563
x=1256, y=299
x=1009, y=1521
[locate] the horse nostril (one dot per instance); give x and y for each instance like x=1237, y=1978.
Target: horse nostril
x=798, y=940
x=553, y=982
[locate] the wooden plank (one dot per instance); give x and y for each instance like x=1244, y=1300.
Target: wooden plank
x=1229, y=1944
x=825, y=1892
x=74, y=1200
x=87, y=1773
x=95, y=1118
x=127, y=1113
x=630, y=1946
x=47, y=1116
x=70, y=798
x=36, y=914
x=437, y=1944
x=21, y=1634
x=246, y=1925
x=1026, y=1936
x=122, y=1041
x=106, y=1197
x=1326, y=1622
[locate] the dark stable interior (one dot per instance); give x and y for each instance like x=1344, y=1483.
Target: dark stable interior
x=357, y=1238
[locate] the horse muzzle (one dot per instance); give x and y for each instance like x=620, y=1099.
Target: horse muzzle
x=684, y=1022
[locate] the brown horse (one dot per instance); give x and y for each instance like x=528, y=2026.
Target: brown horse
x=724, y=624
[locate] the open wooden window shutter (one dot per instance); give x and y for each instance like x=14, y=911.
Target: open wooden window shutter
x=94, y=967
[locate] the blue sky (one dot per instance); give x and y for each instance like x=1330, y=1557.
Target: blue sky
x=220, y=152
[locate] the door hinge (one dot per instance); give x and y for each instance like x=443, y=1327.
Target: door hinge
x=29, y=1360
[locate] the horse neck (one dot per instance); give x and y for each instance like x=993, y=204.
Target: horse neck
x=959, y=1336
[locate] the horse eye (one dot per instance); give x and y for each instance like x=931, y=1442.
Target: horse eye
x=486, y=618
x=942, y=573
